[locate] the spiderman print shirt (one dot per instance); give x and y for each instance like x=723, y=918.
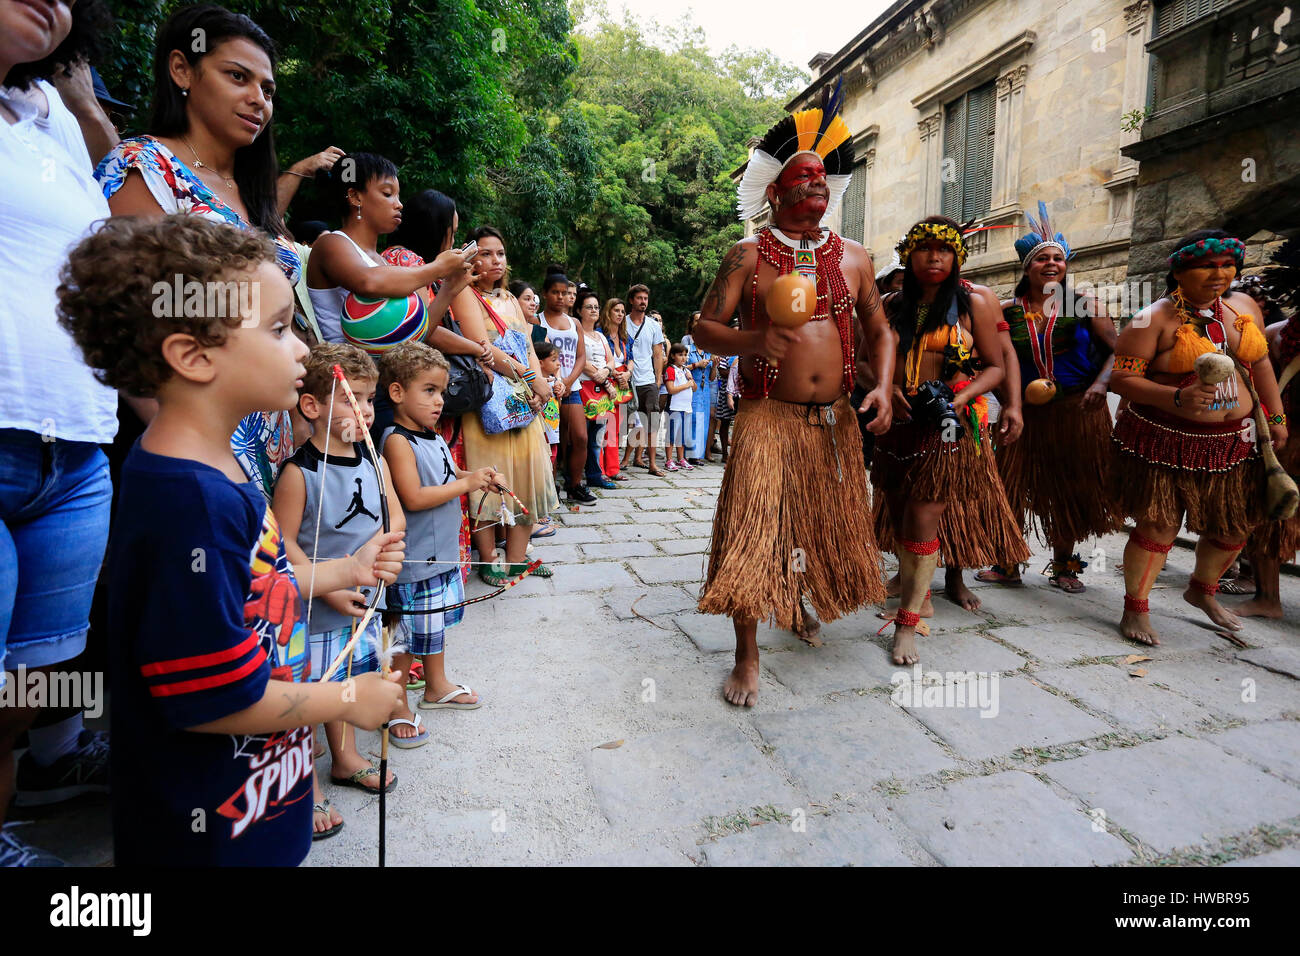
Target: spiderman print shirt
x=204, y=611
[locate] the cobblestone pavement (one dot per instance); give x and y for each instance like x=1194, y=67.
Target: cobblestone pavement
x=604, y=738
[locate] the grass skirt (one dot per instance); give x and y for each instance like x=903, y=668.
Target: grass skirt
x=977, y=527
x=1280, y=539
x=1166, y=467
x=1057, y=474
x=786, y=526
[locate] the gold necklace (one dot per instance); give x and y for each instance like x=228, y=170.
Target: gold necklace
x=229, y=180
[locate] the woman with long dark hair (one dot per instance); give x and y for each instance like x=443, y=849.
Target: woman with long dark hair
x=598, y=368
x=1057, y=473
x=933, y=472
x=210, y=152
x=612, y=329
x=489, y=314
x=564, y=332
x=1187, y=450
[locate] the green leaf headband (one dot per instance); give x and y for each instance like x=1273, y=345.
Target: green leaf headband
x=1208, y=247
x=924, y=231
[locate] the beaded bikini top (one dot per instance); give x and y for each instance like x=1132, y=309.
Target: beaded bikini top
x=833, y=297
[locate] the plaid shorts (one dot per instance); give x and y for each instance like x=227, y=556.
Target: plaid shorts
x=322, y=648
x=422, y=634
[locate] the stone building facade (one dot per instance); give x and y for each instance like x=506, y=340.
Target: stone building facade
x=1220, y=145
x=979, y=108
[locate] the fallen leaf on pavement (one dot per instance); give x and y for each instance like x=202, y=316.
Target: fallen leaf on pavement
x=1138, y=672
x=1135, y=659
x=610, y=745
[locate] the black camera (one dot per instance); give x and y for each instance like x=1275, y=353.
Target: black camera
x=932, y=406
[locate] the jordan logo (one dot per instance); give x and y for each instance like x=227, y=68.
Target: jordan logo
x=357, y=507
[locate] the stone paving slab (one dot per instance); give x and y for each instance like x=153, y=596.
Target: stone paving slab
x=674, y=502
x=596, y=576
x=839, y=839
x=849, y=746
x=713, y=633
x=575, y=519
x=1060, y=642
x=1279, y=660
x=694, y=529
x=1274, y=744
x=618, y=550
x=617, y=503
x=668, y=570
x=1025, y=716
x=816, y=671
x=1177, y=792
x=700, y=514
x=1221, y=683
x=565, y=534
x=1007, y=819
x=679, y=777
x=645, y=532
x=654, y=601
x=1287, y=856
x=1134, y=703
x=685, y=545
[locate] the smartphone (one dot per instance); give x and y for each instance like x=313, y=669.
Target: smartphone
x=470, y=247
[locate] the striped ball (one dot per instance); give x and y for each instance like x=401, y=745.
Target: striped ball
x=377, y=325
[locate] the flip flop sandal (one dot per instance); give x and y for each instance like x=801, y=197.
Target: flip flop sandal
x=491, y=577
x=366, y=774
x=408, y=743
x=996, y=575
x=542, y=571
x=546, y=531
x=1079, y=588
x=446, y=703
x=326, y=809
x=417, y=677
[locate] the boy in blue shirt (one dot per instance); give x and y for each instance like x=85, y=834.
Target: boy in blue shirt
x=212, y=743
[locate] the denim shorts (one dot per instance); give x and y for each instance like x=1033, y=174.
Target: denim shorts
x=572, y=398
x=54, y=513
x=678, y=425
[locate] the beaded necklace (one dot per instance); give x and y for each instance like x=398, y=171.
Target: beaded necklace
x=833, y=298
x=1209, y=324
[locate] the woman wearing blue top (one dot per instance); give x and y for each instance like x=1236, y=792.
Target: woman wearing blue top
x=700, y=363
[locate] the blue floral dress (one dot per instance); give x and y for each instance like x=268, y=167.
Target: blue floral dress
x=264, y=440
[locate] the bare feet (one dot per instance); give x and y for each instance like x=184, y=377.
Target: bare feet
x=1215, y=611
x=1259, y=607
x=812, y=627
x=741, y=688
x=1137, y=627
x=904, y=649
x=957, y=591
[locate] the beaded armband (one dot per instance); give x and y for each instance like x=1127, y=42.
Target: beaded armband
x=528, y=376
x=1278, y=419
x=1131, y=363
x=1004, y=325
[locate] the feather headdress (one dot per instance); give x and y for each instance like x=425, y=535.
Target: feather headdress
x=822, y=131
x=1040, y=236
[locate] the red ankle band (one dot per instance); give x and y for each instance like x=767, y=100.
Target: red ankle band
x=927, y=595
x=922, y=547
x=1203, y=587
x=1147, y=544
x=1223, y=545
x=1137, y=605
x=907, y=618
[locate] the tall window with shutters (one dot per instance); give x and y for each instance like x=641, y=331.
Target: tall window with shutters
x=853, y=221
x=967, y=173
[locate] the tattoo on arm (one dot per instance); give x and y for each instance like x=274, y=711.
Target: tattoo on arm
x=295, y=702
x=716, y=298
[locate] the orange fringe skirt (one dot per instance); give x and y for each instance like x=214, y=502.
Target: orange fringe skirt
x=1168, y=467
x=793, y=518
x=1057, y=474
x=977, y=527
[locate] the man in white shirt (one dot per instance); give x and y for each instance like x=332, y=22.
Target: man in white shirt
x=648, y=356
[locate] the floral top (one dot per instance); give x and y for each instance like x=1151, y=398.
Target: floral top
x=264, y=440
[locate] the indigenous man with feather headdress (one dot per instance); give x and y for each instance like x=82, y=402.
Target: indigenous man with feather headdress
x=792, y=538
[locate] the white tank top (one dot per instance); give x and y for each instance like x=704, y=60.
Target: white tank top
x=328, y=303
x=566, y=343
x=595, y=343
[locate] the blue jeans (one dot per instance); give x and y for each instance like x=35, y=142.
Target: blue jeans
x=54, y=513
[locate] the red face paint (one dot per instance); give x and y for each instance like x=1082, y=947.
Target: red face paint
x=802, y=185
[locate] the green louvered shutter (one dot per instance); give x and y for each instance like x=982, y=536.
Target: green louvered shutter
x=953, y=165
x=854, y=219
x=977, y=188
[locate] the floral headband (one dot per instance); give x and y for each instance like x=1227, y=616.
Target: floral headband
x=924, y=231
x=1209, y=247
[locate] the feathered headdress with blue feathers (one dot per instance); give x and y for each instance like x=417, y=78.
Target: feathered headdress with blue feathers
x=1040, y=237
x=821, y=131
